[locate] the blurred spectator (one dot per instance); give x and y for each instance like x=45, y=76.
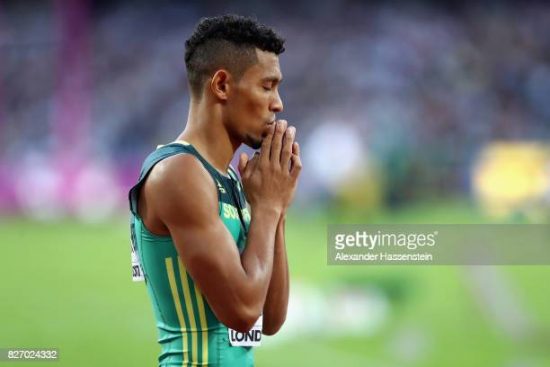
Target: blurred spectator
x=423, y=88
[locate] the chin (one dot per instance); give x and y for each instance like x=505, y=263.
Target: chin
x=252, y=142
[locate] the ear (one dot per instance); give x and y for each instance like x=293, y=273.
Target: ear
x=220, y=84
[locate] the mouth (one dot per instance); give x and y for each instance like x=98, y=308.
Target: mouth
x=266, y=129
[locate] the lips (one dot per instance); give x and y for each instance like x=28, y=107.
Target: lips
x=266, y=128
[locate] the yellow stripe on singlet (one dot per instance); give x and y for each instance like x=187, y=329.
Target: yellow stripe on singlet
x=204, y=325
x=190, y=311
x=177, y=305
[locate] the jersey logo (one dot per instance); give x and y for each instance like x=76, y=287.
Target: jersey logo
x=229, y=211
x=220, y=187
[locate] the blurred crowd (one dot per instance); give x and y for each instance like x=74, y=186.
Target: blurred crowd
x=403, y=96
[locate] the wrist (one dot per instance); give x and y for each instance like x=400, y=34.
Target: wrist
x=266, y=209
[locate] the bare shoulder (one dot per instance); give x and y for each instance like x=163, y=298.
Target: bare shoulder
x=179, y=189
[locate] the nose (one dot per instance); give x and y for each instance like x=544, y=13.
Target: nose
x=277, y=104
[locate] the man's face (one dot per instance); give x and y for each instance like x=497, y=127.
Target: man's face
x=255, y=100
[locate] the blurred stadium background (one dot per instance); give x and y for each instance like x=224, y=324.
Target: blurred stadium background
x=430, y=112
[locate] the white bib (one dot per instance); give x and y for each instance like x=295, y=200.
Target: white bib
x=251, y=339
x=137, y=271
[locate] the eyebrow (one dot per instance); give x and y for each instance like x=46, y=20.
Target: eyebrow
x=275, y=79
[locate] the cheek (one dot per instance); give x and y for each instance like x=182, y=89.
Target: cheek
x=258, y=104
x=250, y=108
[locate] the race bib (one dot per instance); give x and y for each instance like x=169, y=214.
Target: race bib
x=137, y=271
x=251, y=339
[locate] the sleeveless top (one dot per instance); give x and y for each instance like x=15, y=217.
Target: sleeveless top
x=189, y=333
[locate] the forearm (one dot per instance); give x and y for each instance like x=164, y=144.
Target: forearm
x=257, y=258
x=276, y=303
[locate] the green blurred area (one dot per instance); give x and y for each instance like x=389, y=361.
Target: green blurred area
x=68, y=285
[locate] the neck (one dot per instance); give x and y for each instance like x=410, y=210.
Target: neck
x=207, y=133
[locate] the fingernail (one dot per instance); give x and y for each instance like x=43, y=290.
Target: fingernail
x=291, y=130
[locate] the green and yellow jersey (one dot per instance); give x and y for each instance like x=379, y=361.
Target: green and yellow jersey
x=188, y=331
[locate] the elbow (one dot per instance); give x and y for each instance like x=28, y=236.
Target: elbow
x=242, y=319
x=272, y=326
x=242, y=326
x=271, y=331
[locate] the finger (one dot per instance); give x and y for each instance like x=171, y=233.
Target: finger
x=296, y=166
x=251, y=165
x=277, y=142
x=295, y=151
x=265, y=150
x=296, y=162
x=286, y=152
x=243, y=160
x=295, y=148
x=254, y=161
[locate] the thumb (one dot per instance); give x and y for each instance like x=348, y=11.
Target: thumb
x=243, y=159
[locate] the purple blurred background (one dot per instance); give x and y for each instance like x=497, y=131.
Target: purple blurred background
x=394, y=101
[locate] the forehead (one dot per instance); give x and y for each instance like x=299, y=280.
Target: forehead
x=267, y=67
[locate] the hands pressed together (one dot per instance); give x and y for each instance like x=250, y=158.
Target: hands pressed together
x=270, y=177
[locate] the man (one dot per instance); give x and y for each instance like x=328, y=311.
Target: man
x=215, y=270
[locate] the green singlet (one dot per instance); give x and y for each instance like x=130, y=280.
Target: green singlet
x=189, y=332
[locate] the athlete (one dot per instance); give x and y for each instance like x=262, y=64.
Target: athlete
x=216, y=268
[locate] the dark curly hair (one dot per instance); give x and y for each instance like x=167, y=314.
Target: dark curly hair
x=227, y=41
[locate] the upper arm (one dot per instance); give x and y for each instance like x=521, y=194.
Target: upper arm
x=184, y=197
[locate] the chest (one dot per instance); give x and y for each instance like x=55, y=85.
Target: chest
x=232, y=210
